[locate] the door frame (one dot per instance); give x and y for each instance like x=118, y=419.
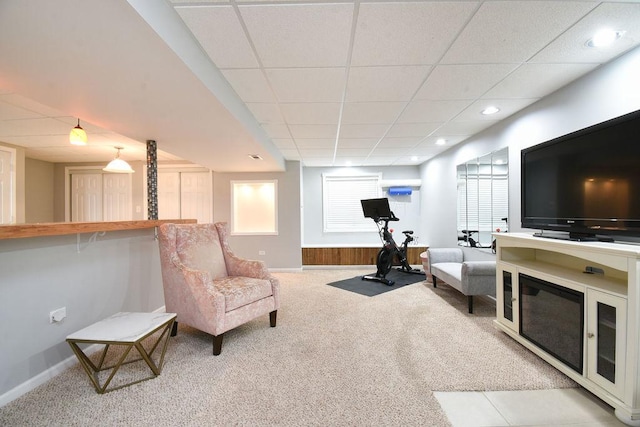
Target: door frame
x=13, y=214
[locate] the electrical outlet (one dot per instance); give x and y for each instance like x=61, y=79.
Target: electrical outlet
x=57, y=315
x=261, y=253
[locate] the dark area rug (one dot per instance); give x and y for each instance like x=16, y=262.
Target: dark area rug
x=370, y=288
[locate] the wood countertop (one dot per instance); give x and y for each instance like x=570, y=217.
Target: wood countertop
x=21, y=231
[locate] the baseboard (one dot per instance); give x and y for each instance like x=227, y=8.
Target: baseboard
x=38, y=380
x=50, y=373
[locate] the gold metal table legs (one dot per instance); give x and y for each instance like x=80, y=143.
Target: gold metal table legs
x=93, y=369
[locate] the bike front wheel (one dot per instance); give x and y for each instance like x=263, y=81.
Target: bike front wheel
x=384, y=262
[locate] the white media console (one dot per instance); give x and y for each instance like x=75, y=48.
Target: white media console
x=577, y=306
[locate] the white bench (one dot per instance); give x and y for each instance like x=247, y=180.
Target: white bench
x=469, y=277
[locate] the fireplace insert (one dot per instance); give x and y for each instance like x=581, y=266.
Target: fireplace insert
x=552, y=318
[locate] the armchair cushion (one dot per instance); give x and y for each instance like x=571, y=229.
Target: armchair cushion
x=201, y=250
x=239, y=291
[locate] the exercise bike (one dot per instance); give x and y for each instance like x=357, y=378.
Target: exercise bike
x=378, y=210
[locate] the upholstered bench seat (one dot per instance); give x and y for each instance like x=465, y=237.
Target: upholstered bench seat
x=469, y=277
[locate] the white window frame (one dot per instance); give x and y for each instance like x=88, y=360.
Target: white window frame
x=341, y=208
x=253, y=204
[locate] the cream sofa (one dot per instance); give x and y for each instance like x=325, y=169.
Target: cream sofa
x=469, y=277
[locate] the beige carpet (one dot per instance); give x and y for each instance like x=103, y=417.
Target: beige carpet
x=335, y=358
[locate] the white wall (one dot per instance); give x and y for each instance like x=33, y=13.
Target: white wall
x=282, y=250
x=120, y=271
x=607, y=92
x=407, y=208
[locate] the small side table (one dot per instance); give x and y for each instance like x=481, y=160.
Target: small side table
x=128, y=330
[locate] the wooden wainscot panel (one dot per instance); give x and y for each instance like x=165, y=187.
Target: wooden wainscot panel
x=352, y=256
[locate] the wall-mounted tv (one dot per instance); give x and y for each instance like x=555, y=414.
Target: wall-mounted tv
x=586, y=183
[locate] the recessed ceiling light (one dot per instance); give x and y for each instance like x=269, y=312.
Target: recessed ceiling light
x=604, y=38
x=348, y=163
x=255, y=157
x=490, y=110
x=414, y=158
x=441, y=141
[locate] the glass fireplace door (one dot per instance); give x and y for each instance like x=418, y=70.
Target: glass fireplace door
x=507, y=296
x=605, y=340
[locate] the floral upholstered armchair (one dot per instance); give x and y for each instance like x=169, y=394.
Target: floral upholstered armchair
x=209, y=287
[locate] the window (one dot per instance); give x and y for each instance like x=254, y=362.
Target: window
x=254, y=207
x=342, y=211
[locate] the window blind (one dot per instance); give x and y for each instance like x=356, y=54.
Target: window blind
x=342, y=211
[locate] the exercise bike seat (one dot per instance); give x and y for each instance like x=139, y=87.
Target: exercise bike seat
x=408, y=232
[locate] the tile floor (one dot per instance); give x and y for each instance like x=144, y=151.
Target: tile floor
x=573, y=407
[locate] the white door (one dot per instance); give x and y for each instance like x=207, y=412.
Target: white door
x=86, y=197
x=168, y=195
x=116, y=196
x=195, y=194
x=6, y=187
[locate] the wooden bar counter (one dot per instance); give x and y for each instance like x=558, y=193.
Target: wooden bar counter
x=21, y=231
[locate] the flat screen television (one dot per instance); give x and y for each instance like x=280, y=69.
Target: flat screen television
x=586, y=183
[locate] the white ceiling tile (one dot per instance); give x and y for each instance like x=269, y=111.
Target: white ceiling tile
x=412, y=129
x=507, y=108
x=318, y=143
x=352, y=152
x=462, y=128
x=276, y=130
x=402, y=33
x=389, y=152
x=429, y=150
x=377, y=161
x=28, y=105
x=398, y=142
x=11, y=112
x=40, y=141
x=311, y=153
x=451, y=139
x=310, y=35
x=313, y=131
x=265, y=112
x=37, y=126
x=513, y=31
x=297, y=92
x=308, y=84
x=537, y=80
x=218, y=30
x=462, y=81
x=385, y=83
x=363, y=131
x=358, y=142
x=571, y=46
x=311, y=113
x=432, y=111
x=250, y=85
x=371, y=112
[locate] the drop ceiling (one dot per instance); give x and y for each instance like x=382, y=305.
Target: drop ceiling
x=325, y=83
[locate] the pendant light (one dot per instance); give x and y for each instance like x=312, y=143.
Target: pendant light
x=118, y=165
x=78, y=136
